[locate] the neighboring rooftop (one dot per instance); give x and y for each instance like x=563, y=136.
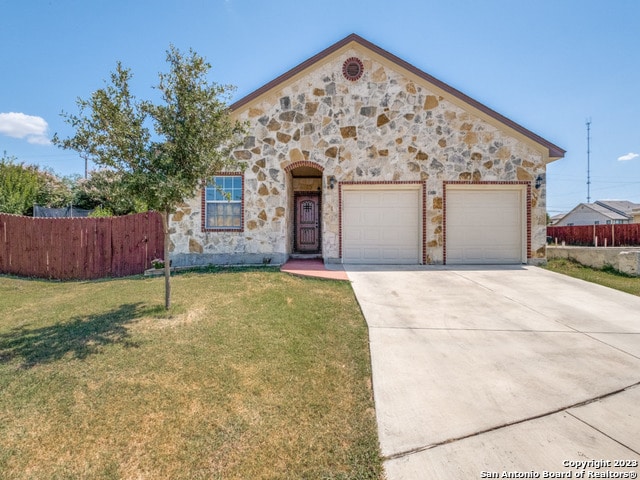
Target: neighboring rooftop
x=606, y=211
x=614, y=211
x=623, y=207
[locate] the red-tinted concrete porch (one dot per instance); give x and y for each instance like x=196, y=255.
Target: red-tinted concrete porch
x=314, y=268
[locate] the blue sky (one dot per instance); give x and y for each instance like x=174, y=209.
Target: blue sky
x=548, y=65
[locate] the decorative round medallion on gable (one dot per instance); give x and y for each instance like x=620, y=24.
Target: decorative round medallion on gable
x=352, y=69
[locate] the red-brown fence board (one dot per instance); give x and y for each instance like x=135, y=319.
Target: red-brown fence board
x=56, y=255
x=615, y=235
x=79, y=248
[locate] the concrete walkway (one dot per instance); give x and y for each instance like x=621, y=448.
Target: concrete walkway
x=480, y=371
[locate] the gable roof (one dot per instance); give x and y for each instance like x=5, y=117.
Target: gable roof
x=623, y=207
x=554, y=152
x=557, y=217
x=601, y=209
x=607, y=212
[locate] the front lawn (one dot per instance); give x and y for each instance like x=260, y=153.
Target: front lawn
x=607, y=277
x=251, y=375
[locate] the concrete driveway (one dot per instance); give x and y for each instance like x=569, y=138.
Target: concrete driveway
x=483, y=370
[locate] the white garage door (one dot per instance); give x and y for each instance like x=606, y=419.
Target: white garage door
x=485, y=226
x=381, y=226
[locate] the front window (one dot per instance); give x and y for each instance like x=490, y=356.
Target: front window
x=223, y=203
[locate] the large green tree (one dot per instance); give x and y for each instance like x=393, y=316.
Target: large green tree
x=104, y=192
x=19, y=186
x=191, y=139
x=22, y=186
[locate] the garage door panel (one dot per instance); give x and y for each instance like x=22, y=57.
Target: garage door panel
x=375, y=255
x=352, y=237
x=395, y=237
x=401, y=218
x=485, y=226
x=363, y=216
x=504, y=235
x=370, y=217
x=381, y=226
x=370, y=235
x=503, y=255
x=398, y=199
x=477, y=256
x=404, y=255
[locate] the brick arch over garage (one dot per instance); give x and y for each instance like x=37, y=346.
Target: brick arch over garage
x=303, y=163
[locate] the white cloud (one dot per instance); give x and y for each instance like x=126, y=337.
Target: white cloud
x=628, y=156
x=29, y=127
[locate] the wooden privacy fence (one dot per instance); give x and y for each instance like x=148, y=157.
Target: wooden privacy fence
x=79, y=248
x=620, y=235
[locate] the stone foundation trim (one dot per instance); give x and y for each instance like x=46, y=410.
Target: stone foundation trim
x=509, y=183
x=239, y=259
x=423, y=188
x=203, y=205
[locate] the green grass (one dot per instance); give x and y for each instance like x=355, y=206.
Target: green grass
x=251, y=375
x=607, y=276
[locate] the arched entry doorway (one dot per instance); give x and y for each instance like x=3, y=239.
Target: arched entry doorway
x=306, y=187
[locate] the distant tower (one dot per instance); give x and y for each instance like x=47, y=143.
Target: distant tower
x=589, y=161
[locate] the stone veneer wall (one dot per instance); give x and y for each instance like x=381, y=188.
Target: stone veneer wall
x=382, y=127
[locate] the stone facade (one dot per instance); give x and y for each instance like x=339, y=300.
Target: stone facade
x=387, y=126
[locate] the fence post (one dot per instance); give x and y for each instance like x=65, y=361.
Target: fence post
x=613, y=235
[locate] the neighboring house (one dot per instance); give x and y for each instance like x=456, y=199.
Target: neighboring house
x=553, y=221
x=356, y=156
x=622, y=207
x=602, y=212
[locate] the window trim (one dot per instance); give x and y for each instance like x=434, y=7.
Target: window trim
x=203, y=211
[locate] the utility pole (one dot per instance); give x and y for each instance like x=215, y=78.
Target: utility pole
x=86, y=165
x=589, y=160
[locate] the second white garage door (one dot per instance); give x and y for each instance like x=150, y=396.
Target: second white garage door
x=485, y=225
x=381, y=226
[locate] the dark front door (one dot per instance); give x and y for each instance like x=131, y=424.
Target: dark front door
x=307, y=223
